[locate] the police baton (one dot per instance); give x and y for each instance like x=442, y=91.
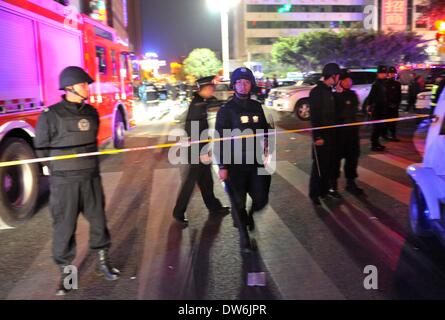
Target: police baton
x=316, y=159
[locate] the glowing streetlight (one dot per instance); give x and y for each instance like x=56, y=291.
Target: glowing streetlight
x=223, y=7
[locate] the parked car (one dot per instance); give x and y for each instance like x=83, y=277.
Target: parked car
x=423, y=102
x=427, y=205
x=295, y=99
x=149, y=93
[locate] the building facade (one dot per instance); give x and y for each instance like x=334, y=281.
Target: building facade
x=259, y=23
x=122, y=15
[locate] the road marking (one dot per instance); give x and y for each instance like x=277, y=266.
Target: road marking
x=386, y=241
x=291, y=267
x=392, y=160
x=40, y=279
x=294, y=271
x=391, y=188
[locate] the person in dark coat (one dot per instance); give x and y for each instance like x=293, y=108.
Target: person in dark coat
x=394, y=98
x=71, y=127
x=377, y=108
x=347, y=139
x=322, y=109
x=241, y=161
x=199, y=169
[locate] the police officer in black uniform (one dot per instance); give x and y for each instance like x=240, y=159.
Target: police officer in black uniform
x=199, y=168
x=243, y=170
x=394, y=98
x=347, y=139
x=377, y=108
x=71, y=127
x=322, y=108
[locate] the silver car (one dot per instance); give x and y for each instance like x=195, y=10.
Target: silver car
x=295, y=99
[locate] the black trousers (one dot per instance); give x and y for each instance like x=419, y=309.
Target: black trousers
x=243, y=181
x=322, y=169
x=347, y=146
x=70, y=196
x=378, y=130
x=201, y=174
x=391, y=127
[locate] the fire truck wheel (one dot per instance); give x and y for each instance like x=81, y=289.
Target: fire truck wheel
x=418, y=210
x=19, y=184
x=302, y=110
x=119, y=131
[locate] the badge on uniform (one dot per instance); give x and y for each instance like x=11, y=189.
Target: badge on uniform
x=348, y=101
x=84, y=125
x=244, y=119
x=256, y=119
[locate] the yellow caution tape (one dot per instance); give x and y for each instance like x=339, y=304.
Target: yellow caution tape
x=169, y=145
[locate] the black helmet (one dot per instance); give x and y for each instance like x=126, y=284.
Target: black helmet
x=205, y=81
x=73, y=75
x=392, y=70
x=242, y=73
x=330, y=70
x=382, y=69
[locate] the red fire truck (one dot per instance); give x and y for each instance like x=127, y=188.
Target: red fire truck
x=39, y=38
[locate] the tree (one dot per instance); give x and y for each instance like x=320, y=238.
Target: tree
x=202, y=63
x=349, y=48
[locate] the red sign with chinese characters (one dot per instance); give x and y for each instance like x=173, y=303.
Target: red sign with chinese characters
x=394, y=15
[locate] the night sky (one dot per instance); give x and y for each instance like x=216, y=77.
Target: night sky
x=172, y=28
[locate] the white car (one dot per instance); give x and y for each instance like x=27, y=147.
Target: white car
x=295, y=99
x=423, y=101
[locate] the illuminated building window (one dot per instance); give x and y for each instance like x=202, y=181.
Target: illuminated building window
x=98, y=10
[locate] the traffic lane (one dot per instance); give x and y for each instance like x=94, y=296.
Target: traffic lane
x=129, y=208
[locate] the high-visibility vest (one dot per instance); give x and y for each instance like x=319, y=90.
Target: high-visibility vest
x=434, y=95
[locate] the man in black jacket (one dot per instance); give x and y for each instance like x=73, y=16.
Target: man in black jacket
x=347, y=139
x=71, y=127
x=377, y=108
x=199, y=168
x=394, y=97
x=322, y=108
x=241, y=161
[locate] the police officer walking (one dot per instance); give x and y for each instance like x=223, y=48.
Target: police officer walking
x=377, y=107
x=199, y=168
x=322, y=109
x=71, y=127
x=394, y=98
x=347, y=139
x=241, y=169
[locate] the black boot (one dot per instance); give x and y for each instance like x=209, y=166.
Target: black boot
x=332, y=192
x=181, y=219
x=245, y=243
x=61, y=289
x=352, y=187
x=104, y=268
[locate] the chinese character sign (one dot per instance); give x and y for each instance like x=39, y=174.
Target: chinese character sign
x=394, y=15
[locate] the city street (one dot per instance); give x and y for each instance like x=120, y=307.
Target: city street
x=305, y=252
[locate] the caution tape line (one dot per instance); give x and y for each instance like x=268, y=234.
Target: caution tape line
x=182, y=144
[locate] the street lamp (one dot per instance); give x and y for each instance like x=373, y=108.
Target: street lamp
x=223, y=7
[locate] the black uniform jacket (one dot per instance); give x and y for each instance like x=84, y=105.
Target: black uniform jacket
x=68, y=128
x=322, y=108
x=378, y=100
x=243, y=116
